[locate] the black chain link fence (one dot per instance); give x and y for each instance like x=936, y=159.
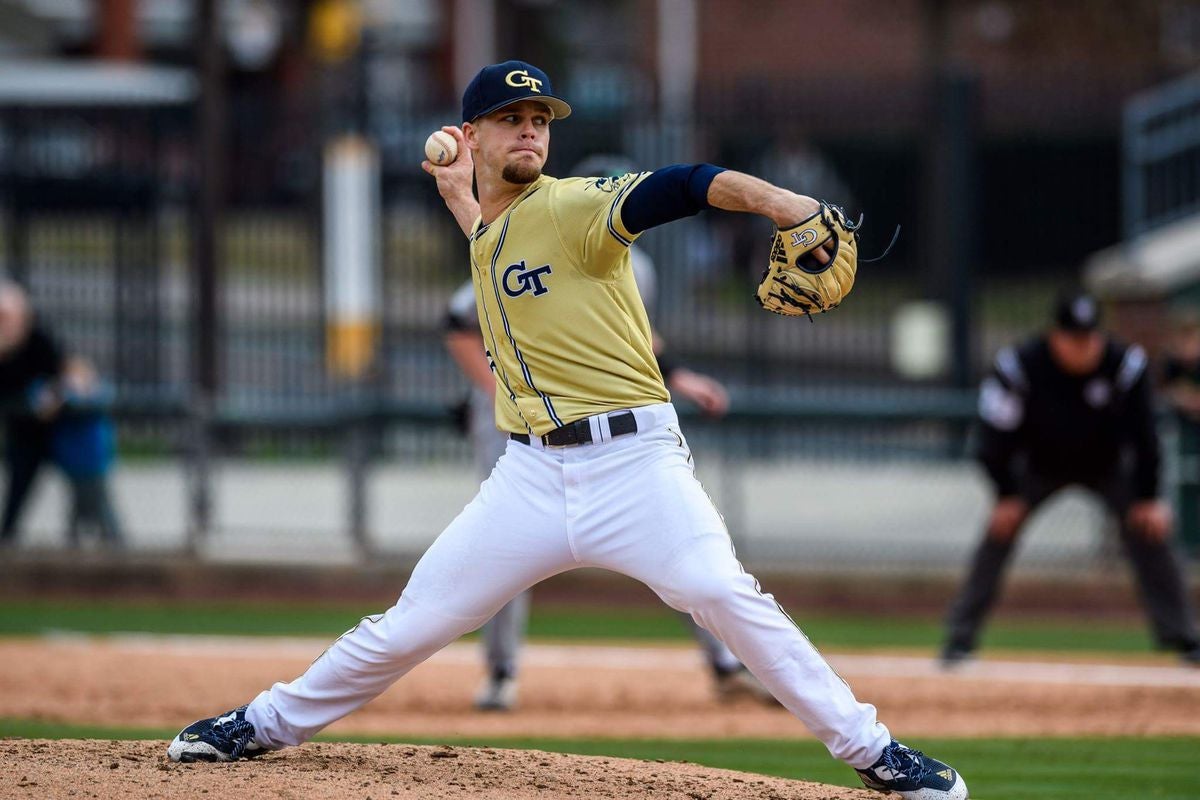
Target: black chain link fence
x=96, y=219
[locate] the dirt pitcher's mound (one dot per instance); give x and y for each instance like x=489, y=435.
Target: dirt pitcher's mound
x=103, y=769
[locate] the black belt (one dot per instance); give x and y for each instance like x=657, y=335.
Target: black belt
x=580, y=431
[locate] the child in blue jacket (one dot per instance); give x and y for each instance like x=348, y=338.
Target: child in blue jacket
x=83, y=446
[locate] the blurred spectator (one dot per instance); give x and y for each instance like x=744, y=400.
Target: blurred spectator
x=1181, y=377
x=1182, y=366
x=30, y=364
x=83, y=445
x=1074, y=407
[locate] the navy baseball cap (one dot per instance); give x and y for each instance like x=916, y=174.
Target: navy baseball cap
x=498, y=85
x=1076, y=311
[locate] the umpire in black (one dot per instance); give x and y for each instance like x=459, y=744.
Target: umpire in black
x=1074, y=407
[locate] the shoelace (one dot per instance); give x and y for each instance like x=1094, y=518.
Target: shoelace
x=239, y=732
x=905, y=761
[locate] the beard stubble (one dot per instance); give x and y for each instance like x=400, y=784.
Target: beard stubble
x=520, y=173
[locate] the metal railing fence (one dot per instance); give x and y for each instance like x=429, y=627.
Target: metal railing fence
x=96, y=219
x=1161, y=174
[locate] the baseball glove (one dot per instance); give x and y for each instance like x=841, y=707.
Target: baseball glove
x=795, y=282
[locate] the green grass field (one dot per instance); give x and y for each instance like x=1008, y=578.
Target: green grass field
x=998, y=769
x=548, y=622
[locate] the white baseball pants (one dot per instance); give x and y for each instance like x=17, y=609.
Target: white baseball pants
x=630, y=504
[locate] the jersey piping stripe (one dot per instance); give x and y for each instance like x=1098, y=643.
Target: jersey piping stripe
x=504, y=318
x=612, y=209
x=508, y=332
x=496, y=366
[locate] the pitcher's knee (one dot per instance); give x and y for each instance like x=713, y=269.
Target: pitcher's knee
x=711, y=592
x=404, y=633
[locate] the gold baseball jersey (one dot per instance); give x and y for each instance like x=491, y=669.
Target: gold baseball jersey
x=563, y=323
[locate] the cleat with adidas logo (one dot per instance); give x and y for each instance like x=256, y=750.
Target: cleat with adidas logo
x=913, y=775
x=224, y=738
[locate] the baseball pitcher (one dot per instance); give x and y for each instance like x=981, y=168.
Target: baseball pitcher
x=597, y=471
x=504, y=633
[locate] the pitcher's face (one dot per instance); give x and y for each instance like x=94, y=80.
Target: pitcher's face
x=512, y=141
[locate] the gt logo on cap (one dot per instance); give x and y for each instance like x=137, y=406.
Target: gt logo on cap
x=497, y=85
x=533, y=84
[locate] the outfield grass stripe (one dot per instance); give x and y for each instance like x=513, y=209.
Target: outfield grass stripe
x=559, y=623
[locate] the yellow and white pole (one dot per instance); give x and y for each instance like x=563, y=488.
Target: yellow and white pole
x=351, y=255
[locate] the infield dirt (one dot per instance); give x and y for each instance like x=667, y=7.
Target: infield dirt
x=567, y=691
x=585, y=691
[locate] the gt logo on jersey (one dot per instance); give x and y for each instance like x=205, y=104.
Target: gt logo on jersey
x=803, y=238
x=517, y=280
x=519, y=78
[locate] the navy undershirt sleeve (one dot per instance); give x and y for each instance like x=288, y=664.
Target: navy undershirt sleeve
x=667, y=194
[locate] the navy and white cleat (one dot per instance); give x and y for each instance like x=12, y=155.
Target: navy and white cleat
x=913, y=775
x=224, y=738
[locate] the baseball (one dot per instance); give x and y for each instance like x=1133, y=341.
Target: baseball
x=440, y=148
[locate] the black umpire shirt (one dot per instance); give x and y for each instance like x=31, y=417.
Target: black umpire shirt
x=1067, y=428
x=37, y=358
